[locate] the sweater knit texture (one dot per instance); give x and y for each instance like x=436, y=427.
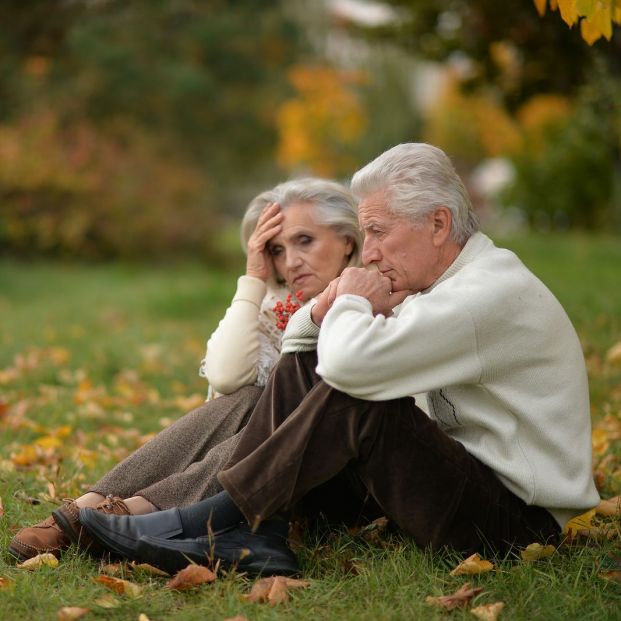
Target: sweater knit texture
x=500, y=363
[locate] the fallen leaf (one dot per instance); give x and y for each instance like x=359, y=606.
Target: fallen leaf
x=112, y=569
x=279, y=592
x=614, y=574
x=190, y=577
x=535, y=551
x=145, y=568
x=237, y=618
x=1, y=507
x=580, y=525
x=613, y=356
x=6, y=583
x=274, y=589
x=107, y=601
x=143, y=617
x=122, y=587
x=41, y=560
x=69, y=613
x=472, y=565
x=609, y=507
x=459, y=599
x=488, y=612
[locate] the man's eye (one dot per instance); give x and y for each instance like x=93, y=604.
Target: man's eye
x=305, y=239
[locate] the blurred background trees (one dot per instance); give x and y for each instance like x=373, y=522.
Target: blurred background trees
x=137, y=130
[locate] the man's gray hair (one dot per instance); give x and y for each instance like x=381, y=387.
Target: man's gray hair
x=333, y=206
x=417, y=178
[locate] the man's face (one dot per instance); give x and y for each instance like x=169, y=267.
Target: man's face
x=407, y=253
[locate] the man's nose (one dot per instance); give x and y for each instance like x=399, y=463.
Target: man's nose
x=370, y=252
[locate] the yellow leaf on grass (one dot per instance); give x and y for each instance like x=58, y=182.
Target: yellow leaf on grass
x=143, y=617
x=580, y=525
x=1, y=507
x=488, y=612
x=459, y=599
x=145, y=568
x=107, y=601
x=70, y=613
x=535, y=551
x=237, y=618
x=472, y=565
x=122, y=587
x=613, y=356
x=41, y=560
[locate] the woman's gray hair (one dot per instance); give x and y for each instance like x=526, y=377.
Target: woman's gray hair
x=333, y=206
x=417, y=178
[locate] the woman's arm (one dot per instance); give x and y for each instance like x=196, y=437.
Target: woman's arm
x=233, y=349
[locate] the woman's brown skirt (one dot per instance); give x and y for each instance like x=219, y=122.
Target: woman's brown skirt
x=179, y=466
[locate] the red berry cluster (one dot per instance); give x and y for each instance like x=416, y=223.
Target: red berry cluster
x=284, y=311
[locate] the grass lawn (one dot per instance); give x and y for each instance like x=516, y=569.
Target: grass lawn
x=95, y=358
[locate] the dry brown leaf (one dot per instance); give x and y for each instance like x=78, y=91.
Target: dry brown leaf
x=237, y=618
x=112, y=569
x=609, y=507
x=535, y=551
x=122, y=587
x=1, y=507
x=70, y=613
x=459, y=599
x=41, y=560
x=614, y=574
x=274, y=589
x=279, y=592
x=472, y=565
x=143, y=617
x=107, y=601
x=145, y=568
x=6, y=583
x=488, y=612
x=190, y=577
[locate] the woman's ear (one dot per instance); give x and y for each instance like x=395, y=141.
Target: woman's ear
x=349, y=246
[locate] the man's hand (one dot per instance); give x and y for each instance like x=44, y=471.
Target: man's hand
x=359, y=281
x=372, y=286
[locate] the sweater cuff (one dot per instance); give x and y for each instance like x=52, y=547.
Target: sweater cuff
x=250, y=289
x=301, y=333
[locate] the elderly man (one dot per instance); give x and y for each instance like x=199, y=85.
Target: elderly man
x=502, y=459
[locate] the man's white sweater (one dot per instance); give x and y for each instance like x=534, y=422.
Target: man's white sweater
x=498, y=358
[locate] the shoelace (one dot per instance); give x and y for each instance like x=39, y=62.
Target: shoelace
x=113, y=502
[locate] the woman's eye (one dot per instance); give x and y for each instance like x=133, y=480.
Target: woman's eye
x=275, y=251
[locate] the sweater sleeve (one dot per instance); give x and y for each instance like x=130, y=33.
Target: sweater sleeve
x=233, y=349
x=423, y=348
x=301, y=333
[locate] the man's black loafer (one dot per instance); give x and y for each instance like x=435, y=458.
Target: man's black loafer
x=121, y=533
x=261, y=553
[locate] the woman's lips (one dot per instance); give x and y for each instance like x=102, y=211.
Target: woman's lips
x=300, y=279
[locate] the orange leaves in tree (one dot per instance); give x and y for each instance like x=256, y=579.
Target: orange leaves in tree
x=596, y=17
x=318, y=127
x=191, y=577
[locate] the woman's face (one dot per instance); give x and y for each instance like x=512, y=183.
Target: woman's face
x=308, y=255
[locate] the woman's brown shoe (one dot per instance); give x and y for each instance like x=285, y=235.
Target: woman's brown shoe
x=38, y=539
x=68, y=519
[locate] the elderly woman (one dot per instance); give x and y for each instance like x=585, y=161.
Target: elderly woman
x=298, y=237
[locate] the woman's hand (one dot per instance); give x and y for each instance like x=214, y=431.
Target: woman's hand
x=259, y=262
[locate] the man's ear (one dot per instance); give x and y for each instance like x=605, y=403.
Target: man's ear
x=441, y=220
